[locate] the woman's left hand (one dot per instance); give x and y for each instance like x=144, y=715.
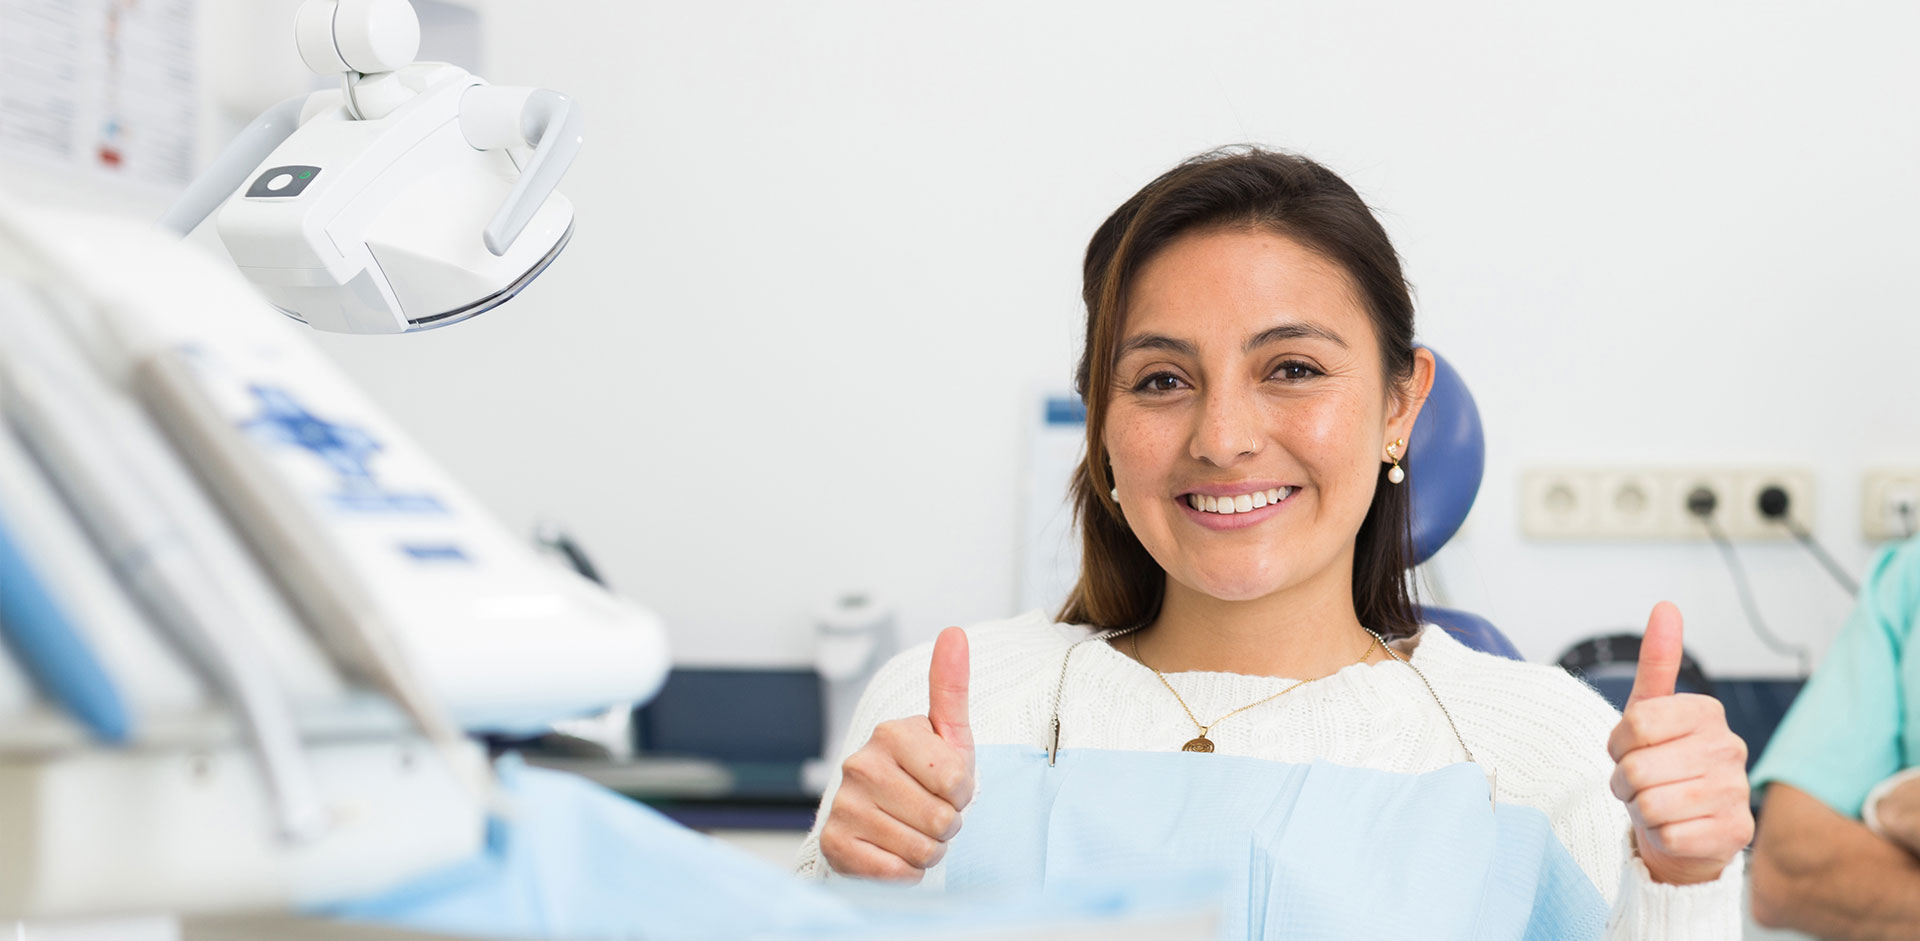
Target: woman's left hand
x=1680, y=770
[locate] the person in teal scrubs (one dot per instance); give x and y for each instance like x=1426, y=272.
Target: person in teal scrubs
x=1838, y=852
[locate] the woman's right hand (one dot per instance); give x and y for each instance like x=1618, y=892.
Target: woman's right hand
x=901, y=794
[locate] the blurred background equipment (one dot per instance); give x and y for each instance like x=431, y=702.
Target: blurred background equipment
x=857, y=636
x=415, y=195
x=248, y=619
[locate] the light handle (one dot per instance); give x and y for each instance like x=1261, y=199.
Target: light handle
x=492, y=117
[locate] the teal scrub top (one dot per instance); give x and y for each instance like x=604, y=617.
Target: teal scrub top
x=1850, y=727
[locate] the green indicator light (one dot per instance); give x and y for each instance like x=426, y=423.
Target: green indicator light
x=304, y=174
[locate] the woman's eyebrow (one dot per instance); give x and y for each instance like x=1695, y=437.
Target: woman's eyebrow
x=1285, y=331
x=1157, y=341
x=1293, y=331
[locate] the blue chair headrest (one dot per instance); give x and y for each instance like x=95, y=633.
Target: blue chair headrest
x=1446, y=457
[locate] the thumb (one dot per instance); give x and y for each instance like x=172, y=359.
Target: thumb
x=947, y=688
x=1660, y=652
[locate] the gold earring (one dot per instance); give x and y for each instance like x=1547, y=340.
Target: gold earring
x=1397, y=473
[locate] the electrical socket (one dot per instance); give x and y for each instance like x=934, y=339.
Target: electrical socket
x=1750, y=484
x=1632, y=504
x=1890, y=503
x=1650, y=503
x=1726, y=509
x=1556, y=504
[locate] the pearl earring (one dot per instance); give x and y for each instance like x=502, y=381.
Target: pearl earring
x=1115, y=494
x=1396, y=474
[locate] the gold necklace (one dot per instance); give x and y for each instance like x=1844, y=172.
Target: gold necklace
x=1201, y=743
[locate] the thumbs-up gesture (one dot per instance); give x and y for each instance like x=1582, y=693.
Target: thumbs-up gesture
x=901, y=794
x=1680, y=770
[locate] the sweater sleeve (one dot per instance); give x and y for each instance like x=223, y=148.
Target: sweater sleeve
x=1647, y=910
x=898, y=690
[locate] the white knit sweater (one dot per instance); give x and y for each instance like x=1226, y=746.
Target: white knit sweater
x=1544, y=732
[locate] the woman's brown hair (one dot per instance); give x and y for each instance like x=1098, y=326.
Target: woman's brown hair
x=1120, y=583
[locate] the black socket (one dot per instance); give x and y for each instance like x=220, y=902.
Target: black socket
x=1773, y=502
x=1701, y=502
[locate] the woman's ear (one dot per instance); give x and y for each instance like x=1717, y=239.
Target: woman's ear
x=1410, y=395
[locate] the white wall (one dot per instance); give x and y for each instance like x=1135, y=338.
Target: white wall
x=827, y=257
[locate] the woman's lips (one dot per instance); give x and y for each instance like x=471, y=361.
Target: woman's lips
x=1227, y=501
x=1239, y=519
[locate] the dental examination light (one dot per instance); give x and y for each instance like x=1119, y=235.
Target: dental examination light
x=413, y=196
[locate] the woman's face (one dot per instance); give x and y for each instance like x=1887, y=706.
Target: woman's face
x=1249, y=370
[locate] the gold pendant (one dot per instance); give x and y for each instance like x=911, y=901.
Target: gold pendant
x=1200, y=744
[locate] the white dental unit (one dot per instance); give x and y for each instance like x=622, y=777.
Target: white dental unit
x=247, y=619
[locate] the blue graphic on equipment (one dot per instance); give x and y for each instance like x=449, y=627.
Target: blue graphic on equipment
x=347, y=450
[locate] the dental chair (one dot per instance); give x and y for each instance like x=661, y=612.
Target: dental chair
x=1446, y=458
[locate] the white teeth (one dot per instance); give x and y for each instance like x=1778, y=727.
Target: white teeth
x=1246, y=502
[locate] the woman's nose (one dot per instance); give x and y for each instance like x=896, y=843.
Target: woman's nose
x=1227, y=429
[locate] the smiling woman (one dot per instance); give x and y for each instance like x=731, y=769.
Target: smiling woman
x=1272, y=268
x=1257, y=699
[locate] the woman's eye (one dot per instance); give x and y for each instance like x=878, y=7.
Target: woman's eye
x=1295, y=370
x=1159, y=382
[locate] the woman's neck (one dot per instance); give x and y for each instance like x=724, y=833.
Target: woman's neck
x=1304, y=632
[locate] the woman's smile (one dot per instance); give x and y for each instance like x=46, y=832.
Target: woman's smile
x=1226, y=507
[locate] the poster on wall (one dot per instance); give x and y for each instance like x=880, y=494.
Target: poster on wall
x=99, y=88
